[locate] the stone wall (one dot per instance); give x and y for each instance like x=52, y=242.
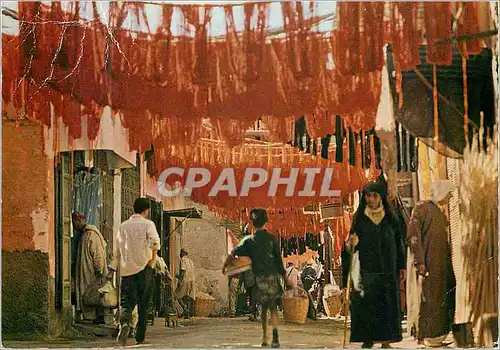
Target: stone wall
x=205, y=241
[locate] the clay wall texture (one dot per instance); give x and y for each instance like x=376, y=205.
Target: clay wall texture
x=26, y=226
x=205, y=241
x=25, y=191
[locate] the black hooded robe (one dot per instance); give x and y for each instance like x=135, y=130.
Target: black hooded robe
x=375, y=316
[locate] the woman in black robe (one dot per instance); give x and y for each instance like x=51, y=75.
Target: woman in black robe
x=375, y=301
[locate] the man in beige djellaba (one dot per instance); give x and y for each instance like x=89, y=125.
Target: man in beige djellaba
x=186, y=288
x=91, y=267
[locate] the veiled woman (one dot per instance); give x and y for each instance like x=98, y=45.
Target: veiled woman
x=376, y=270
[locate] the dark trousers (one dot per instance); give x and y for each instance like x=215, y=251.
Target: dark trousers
x=137, y=290
x=251, y=297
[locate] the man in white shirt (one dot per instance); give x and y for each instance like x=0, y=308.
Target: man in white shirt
x=135, y=249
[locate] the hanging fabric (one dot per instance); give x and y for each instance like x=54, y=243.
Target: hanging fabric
x=404, y=154
x=325, y=143
x=378, y=151
x=339, y=139
x=308, y=144
x=413, y=154
x=362, y=146
x=368, y=159
x=352, y=148
x=398, y=146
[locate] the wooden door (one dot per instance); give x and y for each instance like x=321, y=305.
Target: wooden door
x=63, y=232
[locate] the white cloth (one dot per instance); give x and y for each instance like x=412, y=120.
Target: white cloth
x=435, y=342
x=187, y=287
x=293, y=277
x=187, y=266
x=440, y=189
x=134, y=242
x=413, y=293
x=375, y=215
x=356, y=274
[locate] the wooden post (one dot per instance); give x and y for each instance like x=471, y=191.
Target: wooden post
x=328, y=248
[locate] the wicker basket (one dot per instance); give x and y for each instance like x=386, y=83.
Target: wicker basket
x=335, y=304
x=295, y=307
x=204, y=307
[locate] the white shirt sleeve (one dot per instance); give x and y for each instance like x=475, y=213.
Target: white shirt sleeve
x=153, y=237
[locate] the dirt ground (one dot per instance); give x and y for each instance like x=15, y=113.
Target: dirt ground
x=221, y=333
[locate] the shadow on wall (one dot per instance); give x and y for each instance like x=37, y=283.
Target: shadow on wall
x=25, y=292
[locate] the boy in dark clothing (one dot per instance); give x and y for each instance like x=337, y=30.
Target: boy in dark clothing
x=267, y=266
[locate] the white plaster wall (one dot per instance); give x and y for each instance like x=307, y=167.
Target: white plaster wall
x=111, y=136
x=40, y=222
x=149, y=185
x=205, y=241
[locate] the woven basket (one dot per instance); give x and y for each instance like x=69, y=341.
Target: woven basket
x=295, y=308
x=204, y=307
x=335, y=304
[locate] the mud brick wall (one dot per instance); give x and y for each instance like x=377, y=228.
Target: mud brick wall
x=27, y=237
x=25, y=292
x=25, y=187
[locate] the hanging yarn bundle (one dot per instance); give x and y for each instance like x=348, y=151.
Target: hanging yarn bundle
x=358, y=43
x=405, y=38
x=82, y=66
x=438, y=26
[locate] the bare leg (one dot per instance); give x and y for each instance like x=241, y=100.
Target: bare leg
x=386, y=345
x=275, y=318
x=263, y=318
x=275, y=321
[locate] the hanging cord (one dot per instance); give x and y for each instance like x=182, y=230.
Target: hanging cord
x=436, y=111
x=466, y=102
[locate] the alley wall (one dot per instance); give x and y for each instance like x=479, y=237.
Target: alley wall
x=26, y=225
x=205, y=241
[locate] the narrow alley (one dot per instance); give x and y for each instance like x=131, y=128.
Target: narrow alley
x=327, y=162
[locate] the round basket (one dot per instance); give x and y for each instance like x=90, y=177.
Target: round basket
x=204, y=307
x=295, y=308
